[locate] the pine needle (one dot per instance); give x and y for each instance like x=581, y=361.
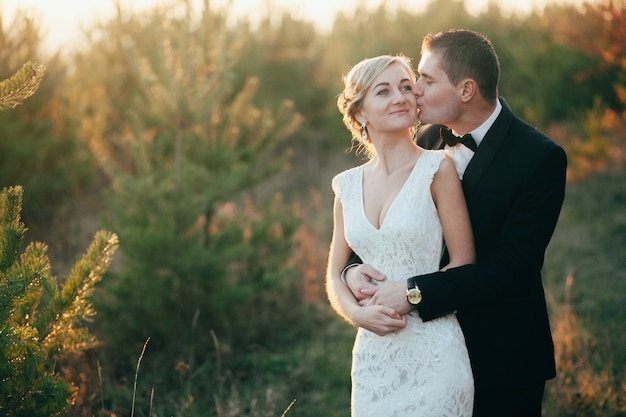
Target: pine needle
x=20, y=86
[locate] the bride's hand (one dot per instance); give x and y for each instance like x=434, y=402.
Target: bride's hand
x=379, y=319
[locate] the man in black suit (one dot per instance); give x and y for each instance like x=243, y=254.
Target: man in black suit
x=514, y=186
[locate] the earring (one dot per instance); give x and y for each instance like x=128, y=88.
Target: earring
x=363, y=132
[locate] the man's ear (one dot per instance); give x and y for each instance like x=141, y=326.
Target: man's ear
x=469, y=89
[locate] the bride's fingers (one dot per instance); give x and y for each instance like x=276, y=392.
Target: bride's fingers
x=392, y=317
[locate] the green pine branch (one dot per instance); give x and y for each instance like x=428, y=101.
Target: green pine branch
x=40, y=320
x=70, y=306
x=11, y=228
x=20, y=86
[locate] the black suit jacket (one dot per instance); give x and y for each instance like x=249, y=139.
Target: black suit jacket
x=514, y=187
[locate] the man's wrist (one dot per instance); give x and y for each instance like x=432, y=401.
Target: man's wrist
x=413, y=293
x=343, y=272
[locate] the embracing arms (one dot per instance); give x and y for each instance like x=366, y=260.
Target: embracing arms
x=376, y=318
x=448, y=197
x=511, y=238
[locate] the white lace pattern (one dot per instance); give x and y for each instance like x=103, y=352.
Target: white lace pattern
x=422, y=370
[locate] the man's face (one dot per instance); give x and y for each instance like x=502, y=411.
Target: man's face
x=437, y=98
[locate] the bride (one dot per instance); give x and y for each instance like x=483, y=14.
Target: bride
x=394, y=212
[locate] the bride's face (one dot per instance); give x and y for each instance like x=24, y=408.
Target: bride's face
x=389, y=104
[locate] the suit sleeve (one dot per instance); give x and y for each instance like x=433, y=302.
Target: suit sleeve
x=511, y=266
x=428, y=137
x=354, y=259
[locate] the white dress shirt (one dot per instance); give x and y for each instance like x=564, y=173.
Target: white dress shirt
x=461, y=154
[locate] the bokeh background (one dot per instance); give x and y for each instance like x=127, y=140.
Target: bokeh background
x=205, y=135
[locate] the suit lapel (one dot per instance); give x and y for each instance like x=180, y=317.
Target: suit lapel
x=488, y=148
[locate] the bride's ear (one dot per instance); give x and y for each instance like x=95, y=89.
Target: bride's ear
x=360, y=117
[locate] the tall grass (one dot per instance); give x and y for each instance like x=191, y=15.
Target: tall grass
x=580, y=389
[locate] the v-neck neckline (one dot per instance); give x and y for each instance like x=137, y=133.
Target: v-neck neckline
x=393, y=202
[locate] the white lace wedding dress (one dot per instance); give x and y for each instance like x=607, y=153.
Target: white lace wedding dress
x=422, y=370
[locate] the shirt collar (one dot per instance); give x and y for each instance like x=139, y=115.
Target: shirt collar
x=479, y=133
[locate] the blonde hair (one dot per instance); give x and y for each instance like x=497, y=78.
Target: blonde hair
x=356, y=84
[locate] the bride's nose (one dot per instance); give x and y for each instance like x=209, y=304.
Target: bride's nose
x=400, y=96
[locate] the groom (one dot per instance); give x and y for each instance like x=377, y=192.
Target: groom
x=514, y=186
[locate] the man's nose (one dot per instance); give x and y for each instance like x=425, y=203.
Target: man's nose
x=417, y=90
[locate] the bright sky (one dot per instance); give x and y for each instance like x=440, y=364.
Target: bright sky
x=62, y=19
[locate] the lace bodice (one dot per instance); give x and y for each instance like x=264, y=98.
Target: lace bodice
x=422, y=370
x=409, y=240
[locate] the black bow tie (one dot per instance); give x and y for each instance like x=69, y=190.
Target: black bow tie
x=451, y=139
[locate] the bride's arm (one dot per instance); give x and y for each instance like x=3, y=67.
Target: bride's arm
x=339, y=295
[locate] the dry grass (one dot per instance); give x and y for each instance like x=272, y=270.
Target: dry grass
x=580, y=389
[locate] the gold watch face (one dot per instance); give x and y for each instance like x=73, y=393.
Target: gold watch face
x=414, y=296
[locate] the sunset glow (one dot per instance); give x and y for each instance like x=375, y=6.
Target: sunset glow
x=62, y=20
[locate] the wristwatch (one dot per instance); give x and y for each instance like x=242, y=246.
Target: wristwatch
x=414, y=295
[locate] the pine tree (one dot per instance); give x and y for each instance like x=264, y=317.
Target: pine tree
x=41, y=321
x=39, y=149
x=184, y=145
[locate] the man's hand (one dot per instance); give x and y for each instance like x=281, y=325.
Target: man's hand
x=363, y=280
x=388, y=294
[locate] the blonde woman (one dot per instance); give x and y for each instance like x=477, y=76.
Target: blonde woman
x=395, y=212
